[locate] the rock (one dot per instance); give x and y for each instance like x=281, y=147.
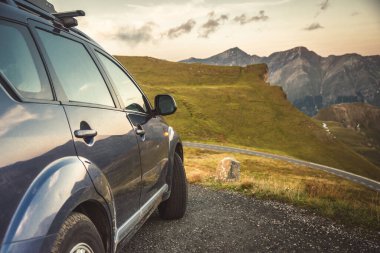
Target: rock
x=228, y=170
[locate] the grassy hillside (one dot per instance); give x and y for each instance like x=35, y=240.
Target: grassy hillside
x=357, y=125
x=234, y=105
x=360, y=142
x=319, y=191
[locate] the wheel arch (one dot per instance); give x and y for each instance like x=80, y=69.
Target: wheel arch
x=98, y=207
x=179, y=150
x=62, y=187
x=175, y=146
x=98, y=215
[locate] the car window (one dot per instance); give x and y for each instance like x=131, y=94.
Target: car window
x=21, y=64
x=131, y=96
x=75, y=70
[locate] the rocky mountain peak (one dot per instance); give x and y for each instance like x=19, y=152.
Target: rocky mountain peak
x=300, y=50
x=235, y=52
x=297, y=52
x=231, y=57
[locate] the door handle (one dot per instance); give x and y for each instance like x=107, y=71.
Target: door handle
x=139, y=130
x=85, y=133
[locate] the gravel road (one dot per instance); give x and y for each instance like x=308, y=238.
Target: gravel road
x=222, y=221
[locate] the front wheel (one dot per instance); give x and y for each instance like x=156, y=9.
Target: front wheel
x=78, y=235
x=175, y=206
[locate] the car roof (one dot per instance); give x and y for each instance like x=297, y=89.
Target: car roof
x=21, y=11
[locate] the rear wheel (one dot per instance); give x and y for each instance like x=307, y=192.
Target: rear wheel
x=78, y=235
x=175, y=206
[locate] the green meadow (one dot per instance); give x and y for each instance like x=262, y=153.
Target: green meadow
x=235, y=106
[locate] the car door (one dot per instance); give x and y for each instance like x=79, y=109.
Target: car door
x=29, y=118
x=152, y=130
x=103, y=135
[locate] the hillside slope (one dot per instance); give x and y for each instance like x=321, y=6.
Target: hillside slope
x=356, y=115
x=235, y=105
x=311, y=81
x=357, y=125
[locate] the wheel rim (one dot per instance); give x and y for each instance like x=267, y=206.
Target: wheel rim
x=81, y=248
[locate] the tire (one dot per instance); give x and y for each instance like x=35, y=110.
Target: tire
x=78, y=232
x=175, y=206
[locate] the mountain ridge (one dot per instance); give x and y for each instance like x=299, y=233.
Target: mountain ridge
x=311, y=81
x=294, y=48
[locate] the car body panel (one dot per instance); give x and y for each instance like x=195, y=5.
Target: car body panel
x=32, y=136
x=35, y=245
x=57, y=190
x=114, y=151
x=48, y=195
x=154, y=152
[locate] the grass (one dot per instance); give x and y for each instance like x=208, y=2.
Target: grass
x=357, y=125
x=234, y=106
x=323, y=193
x=365, y=142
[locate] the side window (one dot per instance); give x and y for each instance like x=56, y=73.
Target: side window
x=21, y=64
x=131, y=96
x=76, y=71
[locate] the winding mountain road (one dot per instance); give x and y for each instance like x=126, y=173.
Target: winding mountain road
x=374, y=185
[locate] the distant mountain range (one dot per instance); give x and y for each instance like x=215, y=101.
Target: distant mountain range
x=311, y=81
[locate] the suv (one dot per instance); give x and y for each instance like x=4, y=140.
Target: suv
x=85, y=158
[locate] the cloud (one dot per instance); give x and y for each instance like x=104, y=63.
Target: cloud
x=212, y=24
x=14, y=117
x=324, y=5
x=243, y=19
x=355, y=13
x=313, y=26
x=211, y=14
x=181, y=30
x=134, y=36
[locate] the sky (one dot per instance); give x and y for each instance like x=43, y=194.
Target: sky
x=178, y=29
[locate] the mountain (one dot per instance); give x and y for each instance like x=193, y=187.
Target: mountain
x=236, y=106
x=355, y=116
x=232, y=57
x=355, y=124
x=310, y=81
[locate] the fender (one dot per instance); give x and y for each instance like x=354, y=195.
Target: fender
x=174, y=140
x=103, y=188
x=52, y=196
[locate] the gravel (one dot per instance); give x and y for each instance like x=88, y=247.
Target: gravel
x=223, y=221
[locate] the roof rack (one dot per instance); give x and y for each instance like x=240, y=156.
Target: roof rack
x=67, y=18
x=46, y=10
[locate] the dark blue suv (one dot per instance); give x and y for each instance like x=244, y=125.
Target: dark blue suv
x=84, y=157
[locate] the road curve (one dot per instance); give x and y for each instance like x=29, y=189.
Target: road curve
x=374, y=185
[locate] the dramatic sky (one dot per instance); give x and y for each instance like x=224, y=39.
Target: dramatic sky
x=179, y=29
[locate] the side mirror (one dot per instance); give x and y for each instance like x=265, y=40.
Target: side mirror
x=165, y=105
